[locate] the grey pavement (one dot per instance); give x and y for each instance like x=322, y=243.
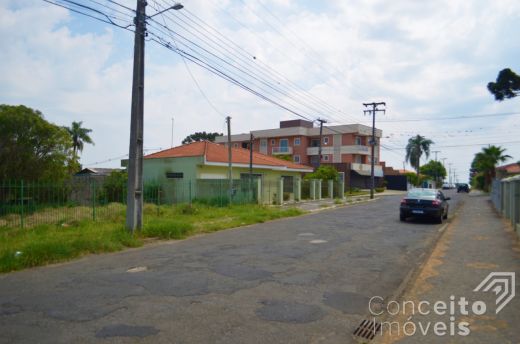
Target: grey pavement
x=297, y=280
x=475, y=244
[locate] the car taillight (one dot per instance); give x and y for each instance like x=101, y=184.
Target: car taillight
x=436, y=203
x=403, y=201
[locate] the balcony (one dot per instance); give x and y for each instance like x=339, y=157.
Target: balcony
x=281, y=150
x=352, y=149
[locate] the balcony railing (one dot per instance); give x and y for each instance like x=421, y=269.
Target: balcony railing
x=282, y=150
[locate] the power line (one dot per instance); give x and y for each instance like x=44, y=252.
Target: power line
x=432, y=118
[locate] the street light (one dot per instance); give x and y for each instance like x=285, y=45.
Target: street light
x=176, y=7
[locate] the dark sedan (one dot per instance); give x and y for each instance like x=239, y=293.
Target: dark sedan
x=428, y=203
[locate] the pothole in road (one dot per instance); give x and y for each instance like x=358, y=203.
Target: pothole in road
x=317, y=241
x=137, y=269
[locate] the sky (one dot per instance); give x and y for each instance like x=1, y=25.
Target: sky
x=426, y=60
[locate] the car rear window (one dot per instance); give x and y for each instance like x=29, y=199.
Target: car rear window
x=421, y=193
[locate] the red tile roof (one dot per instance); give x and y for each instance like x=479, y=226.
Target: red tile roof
x=510, y=168
x=217, y=153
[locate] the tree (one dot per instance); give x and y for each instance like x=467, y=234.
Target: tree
x=79, y=137
x=506, y=86
x=324, y=172
x=435, y=170
x=200, y=136
x=415, y=148
x=485, y=162
x=30, y=147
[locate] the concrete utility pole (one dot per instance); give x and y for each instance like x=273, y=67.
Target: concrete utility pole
x=449, y=172
x=436, y=174
x=321, y=139
x=230, y=156
x=373, y=112
x=251, y=161
x=134, y=198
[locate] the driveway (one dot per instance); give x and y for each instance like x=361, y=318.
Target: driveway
x=304, y=279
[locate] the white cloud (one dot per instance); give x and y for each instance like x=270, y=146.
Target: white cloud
x=421, y=58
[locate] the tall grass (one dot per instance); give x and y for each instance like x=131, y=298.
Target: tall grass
x=66, y=238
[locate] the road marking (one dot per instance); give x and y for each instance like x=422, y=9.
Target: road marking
x=137, y=269
x=317, y=241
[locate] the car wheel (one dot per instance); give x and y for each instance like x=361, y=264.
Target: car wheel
x=402, y=217
x=446, y=216
x=439, y=218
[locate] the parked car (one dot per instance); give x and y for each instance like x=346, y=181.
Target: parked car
x=462, y=187
x=424, y=203
x=446, y=186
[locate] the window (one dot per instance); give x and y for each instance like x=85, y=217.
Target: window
x=245, y=145
x=315, y=142
x=174, y=175
x=325, y=140
x=358, y=159
x=325, y=158
x=235, y=145
x=263, y=143
x=273, y=142
x=358, y=141
x=296, y=141
x=296, y=159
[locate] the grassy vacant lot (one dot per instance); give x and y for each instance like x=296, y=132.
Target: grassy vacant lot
x=66, y=239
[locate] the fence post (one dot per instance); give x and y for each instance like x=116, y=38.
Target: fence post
x=22, y=220
x=330, y=188
x=158, y=200
x=259, y=191
x=93, y=186
x=312, y=188
x=189, y=191
x=298, y=190
x=319, y=189
x=280, y=191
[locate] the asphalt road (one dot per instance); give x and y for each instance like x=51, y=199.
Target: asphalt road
x=299, y=280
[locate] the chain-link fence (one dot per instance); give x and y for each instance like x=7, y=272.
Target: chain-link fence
x=27, y=204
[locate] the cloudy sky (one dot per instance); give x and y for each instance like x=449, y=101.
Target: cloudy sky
x=426, y=60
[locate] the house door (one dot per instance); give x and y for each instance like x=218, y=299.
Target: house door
x=263, y=146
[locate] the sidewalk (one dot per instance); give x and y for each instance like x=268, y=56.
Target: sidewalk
x=475, y=244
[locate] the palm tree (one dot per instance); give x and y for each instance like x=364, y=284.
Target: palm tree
x=79, y=136
x=415, y=148
x=486, y=161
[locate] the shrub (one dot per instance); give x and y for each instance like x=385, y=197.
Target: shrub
x=379, y=190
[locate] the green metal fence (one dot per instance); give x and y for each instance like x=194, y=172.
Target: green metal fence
x=27, y=204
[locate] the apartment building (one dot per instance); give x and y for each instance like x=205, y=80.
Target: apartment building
x=346, y=147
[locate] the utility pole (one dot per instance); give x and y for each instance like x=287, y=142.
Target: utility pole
x=321, y=139
x=449, y=172
x=444, y=162
x=373, y=111
x=436, y=172
x=134, y=200
x=230, y=166
x=251, y=161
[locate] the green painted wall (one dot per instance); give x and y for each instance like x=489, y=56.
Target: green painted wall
x=181, y=190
